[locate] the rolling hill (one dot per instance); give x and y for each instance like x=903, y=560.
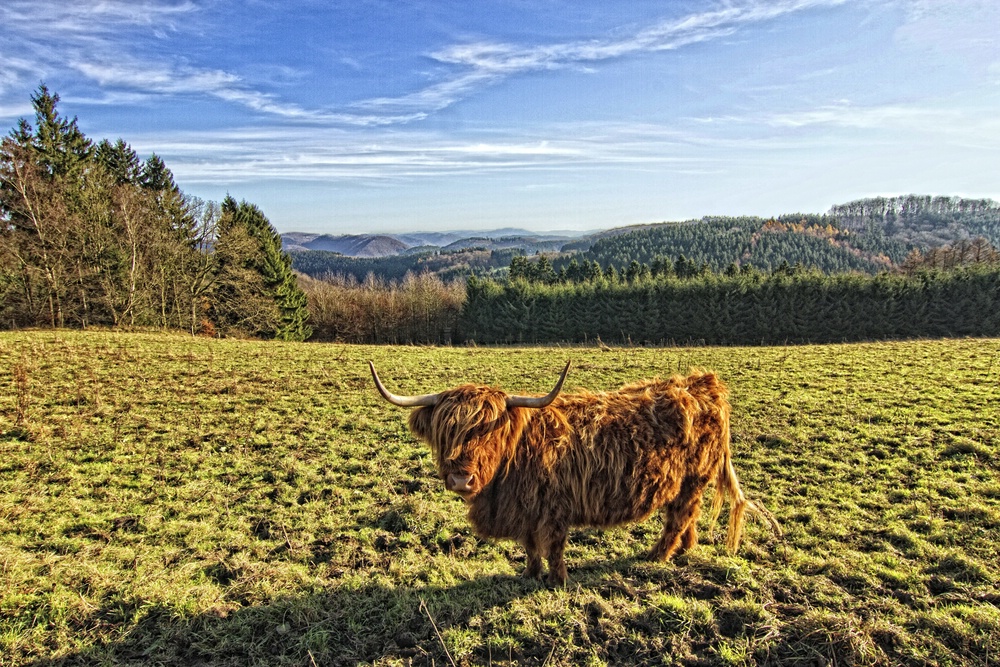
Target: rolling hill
x=389, y=245
x=352, y=245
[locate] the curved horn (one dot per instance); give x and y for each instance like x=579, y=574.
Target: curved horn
x=426, y=400
x=542, y=401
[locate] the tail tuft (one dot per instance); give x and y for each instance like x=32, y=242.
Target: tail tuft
x=727, y=485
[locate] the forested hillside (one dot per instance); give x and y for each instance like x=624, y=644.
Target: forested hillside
x=447, y=265
x=865, y=236
x=352, y=245
x=868, y=236
x=458, y=258
x=811, y=241
x=923, y=221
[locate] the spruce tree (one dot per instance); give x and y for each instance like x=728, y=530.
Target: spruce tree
x=61, y=147
x=121, y=162
x=250, y=243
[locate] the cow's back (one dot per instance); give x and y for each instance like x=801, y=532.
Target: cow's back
x=631, y=450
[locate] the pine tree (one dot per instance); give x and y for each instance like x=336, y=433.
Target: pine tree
x=544, y=273
x=520, y=268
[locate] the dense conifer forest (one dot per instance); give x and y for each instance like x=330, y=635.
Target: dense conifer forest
x=810, y=241
x=746, y=308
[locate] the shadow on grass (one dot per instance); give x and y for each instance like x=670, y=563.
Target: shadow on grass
x=413, y=625
x=342, y=626
x=404, y=625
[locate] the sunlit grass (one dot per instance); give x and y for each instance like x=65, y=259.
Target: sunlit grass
x=179, y=500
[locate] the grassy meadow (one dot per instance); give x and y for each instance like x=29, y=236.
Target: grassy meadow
x=174, y=500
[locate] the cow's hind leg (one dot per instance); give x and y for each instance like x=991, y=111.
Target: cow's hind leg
x=680, y=517
x=533, y=569
x=557, y=566
x=690, y=537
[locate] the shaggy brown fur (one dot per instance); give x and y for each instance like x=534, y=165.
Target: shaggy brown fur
x=588, y=459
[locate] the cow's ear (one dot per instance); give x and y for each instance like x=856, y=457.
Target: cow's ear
x=420, y=422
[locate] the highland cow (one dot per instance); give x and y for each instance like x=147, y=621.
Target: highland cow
x=530, y=468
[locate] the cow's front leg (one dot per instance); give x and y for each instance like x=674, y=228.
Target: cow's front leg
x=533, y=569
x=557, y=566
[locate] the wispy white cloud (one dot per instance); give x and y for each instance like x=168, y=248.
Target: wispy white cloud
x=167, y=79
x=689, y=147
x=42, y=37
x=480, y=64
x=87, y=38
x=160, y=79
x=86, y=19
x=924, y=119
x=325, y=154
x=12, y=70
x=873, y=117
x=926, y=127
x=16, y=110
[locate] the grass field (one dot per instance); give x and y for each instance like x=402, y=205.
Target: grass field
x=172, y=500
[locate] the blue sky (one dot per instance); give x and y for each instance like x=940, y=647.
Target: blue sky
x=382, y=116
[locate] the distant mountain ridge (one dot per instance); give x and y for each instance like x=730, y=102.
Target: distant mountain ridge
x=352, y=245
x=391, y=245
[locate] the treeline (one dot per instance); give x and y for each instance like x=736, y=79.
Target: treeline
x=922, y=220
x=90, y=235
x=692, y=306
x=964, y=253
x=748, y=308
x=446, y=264
x=419, y=309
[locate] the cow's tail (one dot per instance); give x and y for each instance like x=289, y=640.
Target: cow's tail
x=727, y=485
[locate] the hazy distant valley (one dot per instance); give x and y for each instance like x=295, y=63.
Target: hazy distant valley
x=388, y=245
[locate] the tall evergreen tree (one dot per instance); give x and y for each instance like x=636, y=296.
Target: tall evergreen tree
x=248, y=243
x=59, y=144
x=121, y=162
x=43, y=172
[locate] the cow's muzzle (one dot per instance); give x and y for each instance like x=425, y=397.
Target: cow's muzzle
x=461, y=483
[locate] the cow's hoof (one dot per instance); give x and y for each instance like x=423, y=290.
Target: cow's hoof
x=657, y=556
